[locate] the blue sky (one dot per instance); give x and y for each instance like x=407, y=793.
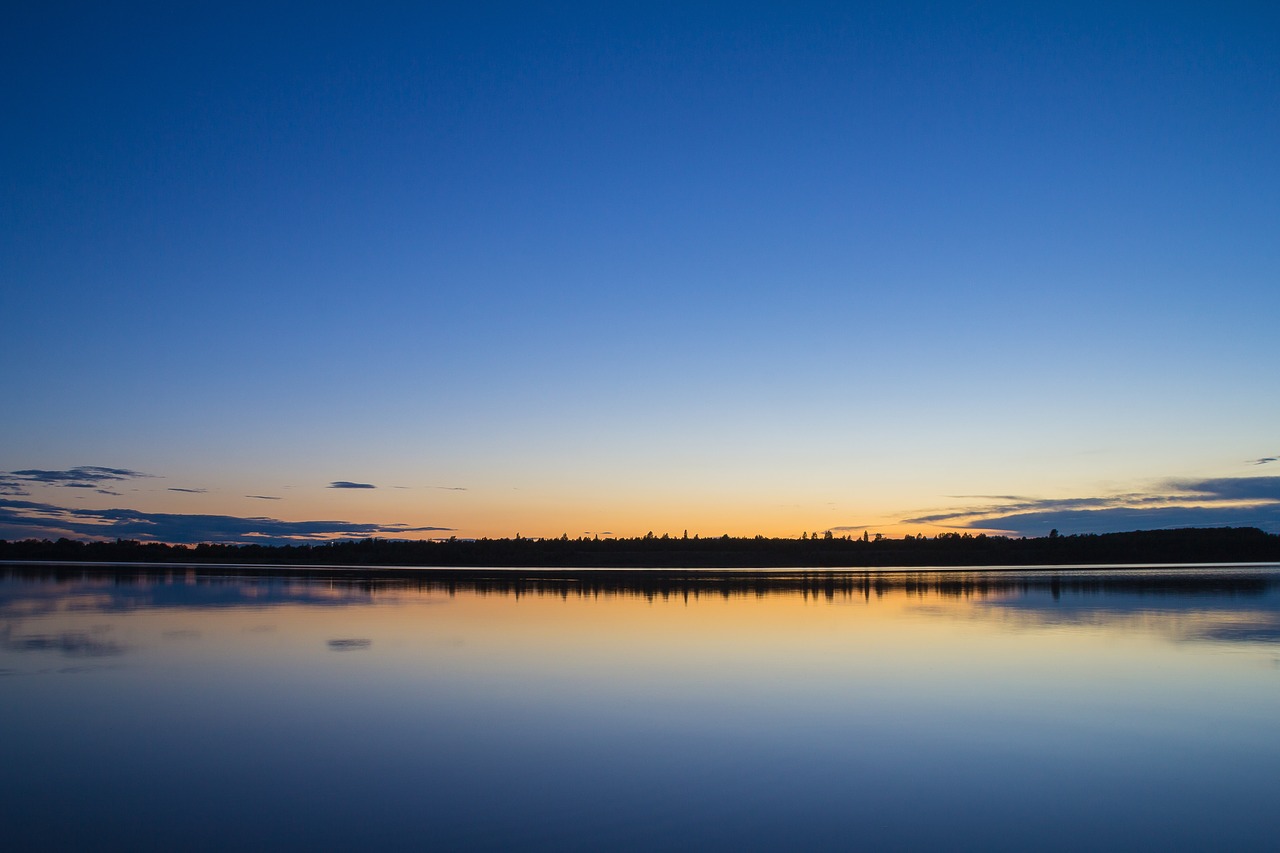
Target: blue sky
x=545, y=268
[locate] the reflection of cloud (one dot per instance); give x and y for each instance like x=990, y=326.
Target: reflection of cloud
x=86, y=667
x=69, y=643
x=46, y=520
x=1219, y=502
x=116, y=593
x=1258, y=632
x=1231, y=612
x=264, y=497
x=348, y=645
x=347, y=484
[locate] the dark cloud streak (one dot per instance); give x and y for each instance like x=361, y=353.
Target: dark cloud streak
x=1215, y=502
x=48, y=520
x=1124, y=519
x=90, y=474
x=12, y=487
x=1233, y=488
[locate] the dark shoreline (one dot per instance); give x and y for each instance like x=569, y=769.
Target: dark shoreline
x=1196, y=546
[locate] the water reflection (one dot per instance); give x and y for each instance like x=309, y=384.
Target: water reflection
x=621, y=710
x=1236, y=604
x=68, y=643
x=1217, y=614
x=347, y=645
x=236, y=586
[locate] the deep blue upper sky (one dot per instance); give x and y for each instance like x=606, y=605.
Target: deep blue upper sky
x=726, y=267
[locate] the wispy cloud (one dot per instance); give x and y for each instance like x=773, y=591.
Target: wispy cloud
x=1264, y=460
x=80, y=477
x=11, y=486
x=1121, y=519
x=347, y=484
x=1233, y=488
x=188, y=491
x=264, y=497
x=1216, y=502
x=22, y=519
x=442, y=488
x=19, y=483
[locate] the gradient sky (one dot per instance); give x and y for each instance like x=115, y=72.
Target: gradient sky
x=553, y=268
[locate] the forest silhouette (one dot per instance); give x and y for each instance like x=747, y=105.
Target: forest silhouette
x=1191, y=545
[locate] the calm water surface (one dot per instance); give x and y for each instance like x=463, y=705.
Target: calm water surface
x=963, y=710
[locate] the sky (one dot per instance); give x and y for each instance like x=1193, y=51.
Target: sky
x=275, y=272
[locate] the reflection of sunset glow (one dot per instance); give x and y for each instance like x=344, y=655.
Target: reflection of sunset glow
x=641, y=694
x=765, y=610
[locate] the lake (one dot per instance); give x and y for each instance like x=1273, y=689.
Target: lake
x=978, y=709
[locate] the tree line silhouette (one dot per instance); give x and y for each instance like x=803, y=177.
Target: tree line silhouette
x=1190, y=545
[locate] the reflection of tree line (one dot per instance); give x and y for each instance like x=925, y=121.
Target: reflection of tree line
x=1206, y=545
x=366, y=584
